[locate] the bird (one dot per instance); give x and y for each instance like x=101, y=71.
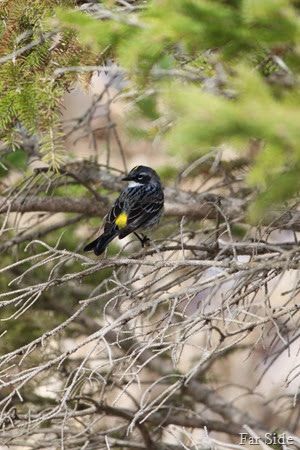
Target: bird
x=138, y=208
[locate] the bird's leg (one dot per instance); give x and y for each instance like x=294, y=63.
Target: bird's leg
x=144, y=240
x=139, y=238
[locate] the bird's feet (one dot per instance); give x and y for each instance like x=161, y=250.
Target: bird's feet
x=144, y=240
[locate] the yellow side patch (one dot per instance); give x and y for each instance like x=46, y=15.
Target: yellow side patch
x=121, y=220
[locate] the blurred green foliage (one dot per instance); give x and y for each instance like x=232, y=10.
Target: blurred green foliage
x=256, y=46
x=17, y=160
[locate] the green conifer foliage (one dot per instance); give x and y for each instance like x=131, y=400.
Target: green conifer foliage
x=30, y=51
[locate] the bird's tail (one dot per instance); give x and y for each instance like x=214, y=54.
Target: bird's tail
x=100, y=244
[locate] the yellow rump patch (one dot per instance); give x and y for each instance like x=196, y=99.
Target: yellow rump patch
x=121, y=220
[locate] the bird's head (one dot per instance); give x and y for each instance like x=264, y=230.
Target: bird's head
x=142, y=175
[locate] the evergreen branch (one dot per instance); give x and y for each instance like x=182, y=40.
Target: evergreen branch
x=26, y=47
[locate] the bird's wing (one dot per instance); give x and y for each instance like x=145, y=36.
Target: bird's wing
x=116, y=210
x=138, y=205
x=142, y=204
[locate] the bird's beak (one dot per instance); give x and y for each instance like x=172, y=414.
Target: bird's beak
x=127, y=178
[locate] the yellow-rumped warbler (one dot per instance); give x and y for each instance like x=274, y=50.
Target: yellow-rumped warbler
x=139, y=207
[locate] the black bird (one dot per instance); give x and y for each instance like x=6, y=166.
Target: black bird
x=139, y=207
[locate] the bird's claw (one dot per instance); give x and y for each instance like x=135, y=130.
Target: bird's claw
x=145, y=241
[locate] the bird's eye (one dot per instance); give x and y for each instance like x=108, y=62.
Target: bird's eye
x=140, y=177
